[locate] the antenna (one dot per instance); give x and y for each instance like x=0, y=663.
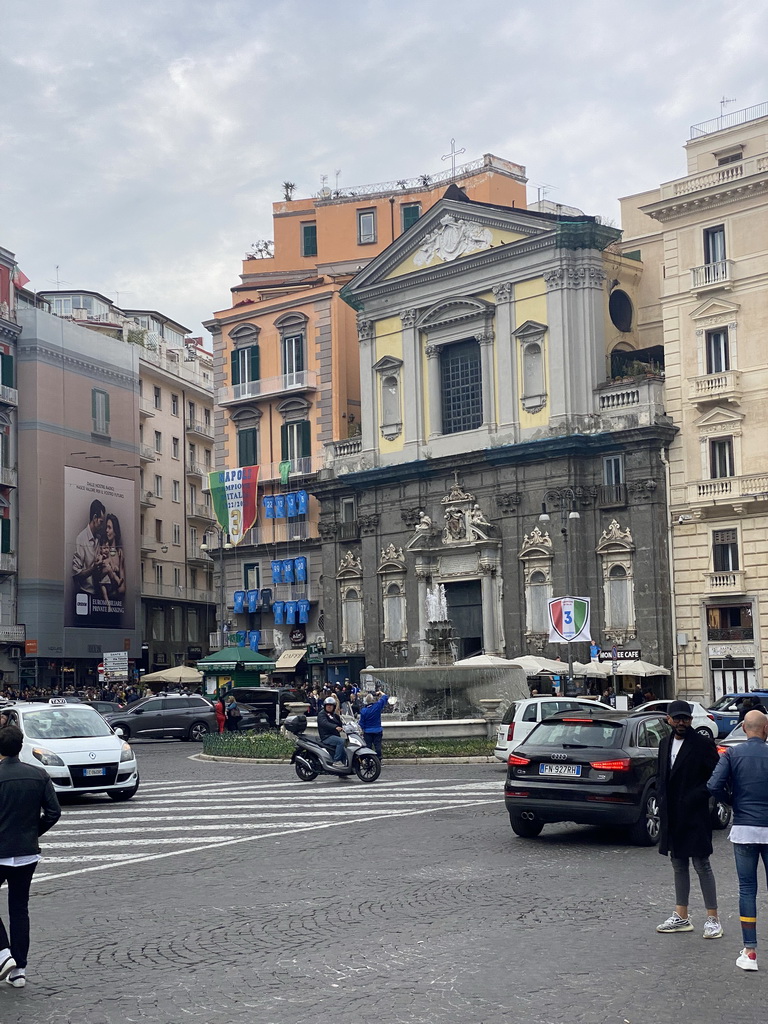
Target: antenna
x=724, y=103
x=542, y=189
x=338, y=175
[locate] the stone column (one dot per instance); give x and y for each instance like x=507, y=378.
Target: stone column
x=435, y=396
x=421, y=581
x=506, y=355
x=488, y=597
x=412, y=396
x=485, y=340
x=369, y=400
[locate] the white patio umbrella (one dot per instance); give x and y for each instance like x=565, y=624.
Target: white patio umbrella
x=640, y=668
x=600, y=669
x=533, y=666
x=180, y=674
x=483, y=661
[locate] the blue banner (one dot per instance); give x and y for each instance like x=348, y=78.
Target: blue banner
x=303, y=611
x=254, y=638
x=253, y=600
x=279, y=506
x=277, y=572
x=278, y=608
x=269, y=506
x=287, y=570
x=301, y=569
x=302, y=501
x=290, y=613
x=239, y=601
x=291, y=504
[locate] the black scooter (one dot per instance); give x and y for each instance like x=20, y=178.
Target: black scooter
x=311, y=758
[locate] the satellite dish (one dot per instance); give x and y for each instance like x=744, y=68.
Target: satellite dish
x=325, y=193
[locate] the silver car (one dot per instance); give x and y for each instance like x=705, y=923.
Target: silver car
x=170, y=717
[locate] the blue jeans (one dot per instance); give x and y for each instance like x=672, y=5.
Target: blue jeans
x=747, y=857
x=336, y=746
x=373, y=740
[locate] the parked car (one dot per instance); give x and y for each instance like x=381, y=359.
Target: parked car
x=703, y=721
x=104, y=707
x=522, y=716
x=268, y=704
x=725, y=711
x=171, y=717
x=76, y=747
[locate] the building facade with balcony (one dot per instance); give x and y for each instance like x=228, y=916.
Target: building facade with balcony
x=288, y=382
x=702, y=298
x=499, y=374
x=173, y=415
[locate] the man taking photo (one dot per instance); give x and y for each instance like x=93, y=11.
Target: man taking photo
x=686, y=761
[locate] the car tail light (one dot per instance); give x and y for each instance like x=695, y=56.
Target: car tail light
x=621, y=764
x=711, y=718
x=510, y=731
x=721, y=749
x=517, y=792
x=514, y=759
x=575, y=719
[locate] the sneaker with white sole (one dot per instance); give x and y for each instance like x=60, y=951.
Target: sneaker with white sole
x=7, y=965
x=17, y=977
x=747, y=960
x=713, y=929
x=676, y=924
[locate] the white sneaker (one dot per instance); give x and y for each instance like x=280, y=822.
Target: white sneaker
x=713, y=929
x=747, y=960
x=7, y=965
x=17, y=978
x=676, y=924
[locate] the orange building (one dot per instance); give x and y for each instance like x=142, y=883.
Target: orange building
x=288, y=384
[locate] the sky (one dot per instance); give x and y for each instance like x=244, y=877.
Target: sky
x=142, y=142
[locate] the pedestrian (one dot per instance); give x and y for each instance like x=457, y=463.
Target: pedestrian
x=28, y=808
x=637, y=696
x=747, y=704
x=330, y=729
x=233, y=714
x=744, y=771
x=370, y=719
x=686, y=761
x=221, y=713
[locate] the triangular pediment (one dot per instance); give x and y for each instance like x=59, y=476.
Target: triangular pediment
x=718, y=308
x=449, y=232
x=530, y=329
x=387, y=364
x=719, y=417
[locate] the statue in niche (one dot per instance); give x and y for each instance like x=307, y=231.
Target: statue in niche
x=479, y=524
x=455, y=525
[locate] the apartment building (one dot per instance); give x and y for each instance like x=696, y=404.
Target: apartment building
x=702, y=302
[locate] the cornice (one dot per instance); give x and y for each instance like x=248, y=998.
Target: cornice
x=84, y=366
x=707, y=199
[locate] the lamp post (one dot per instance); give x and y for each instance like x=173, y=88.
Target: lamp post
x=222, y=604
x=566, y=498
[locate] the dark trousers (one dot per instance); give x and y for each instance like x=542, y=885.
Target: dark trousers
x=19, y=881
x=232, y=724
x=373, y=740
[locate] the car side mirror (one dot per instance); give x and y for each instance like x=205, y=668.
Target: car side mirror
x=138, y=711
x=117, y=731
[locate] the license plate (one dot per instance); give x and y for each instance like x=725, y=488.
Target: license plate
x=94, y=771
x=559, y=769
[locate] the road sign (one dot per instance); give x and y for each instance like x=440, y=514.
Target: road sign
x=115, y=667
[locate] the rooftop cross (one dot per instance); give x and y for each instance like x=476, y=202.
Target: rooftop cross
x=452, y=156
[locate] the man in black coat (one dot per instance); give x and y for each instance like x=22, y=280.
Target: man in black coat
x=330, y=728
x=686, y=761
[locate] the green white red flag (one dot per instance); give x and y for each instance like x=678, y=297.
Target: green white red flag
x=233, y=492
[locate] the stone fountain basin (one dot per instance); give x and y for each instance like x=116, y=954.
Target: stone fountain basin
x=436, y=729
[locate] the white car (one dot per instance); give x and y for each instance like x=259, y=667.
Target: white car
x=77, y=748
x=703, y=721
x=522, y=716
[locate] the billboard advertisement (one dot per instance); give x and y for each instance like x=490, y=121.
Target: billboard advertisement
x=233, y=492
x=99, y=539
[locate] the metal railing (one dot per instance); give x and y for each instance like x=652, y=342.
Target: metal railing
x=299, y=467
x=176, y=592
x=147, y=453
x=301, y=381
x=9, y=395
x=716, y=124
x=195, y=469
x=146, y=407
x=8, y=477
x=197, y=511
x=198, y=427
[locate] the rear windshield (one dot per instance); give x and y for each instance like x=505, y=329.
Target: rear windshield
x=575, y=734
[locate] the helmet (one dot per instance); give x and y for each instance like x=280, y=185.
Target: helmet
x=329, y=700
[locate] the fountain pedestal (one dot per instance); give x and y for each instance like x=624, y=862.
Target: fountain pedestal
x=440, y=637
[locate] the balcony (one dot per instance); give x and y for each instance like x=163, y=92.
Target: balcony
x=216, y=641
x=291, y=592
x=349, y=531
x=146, y=408
x=172, y=592
x=195, y=511
x=730, y=582
x=147, y=454
x=290, y=531
x=195, y=469
x=13, y=634
x=299, y=467
x=8, y=477
x=612, y=496
x=304, y=380
x=196, y=556
x=9, y=396
x=713, y=276
x=715, y=387
x=731, y=490
x=149, y=545
x=204, y=430
x=637, y=402
x=735, y=634
x=717, y=178
x=147, y=499
x=8, y=561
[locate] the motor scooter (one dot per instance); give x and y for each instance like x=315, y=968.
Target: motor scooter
x=311, y=758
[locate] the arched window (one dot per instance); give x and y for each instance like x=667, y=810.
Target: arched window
x=394, y=612
x=538, y=595
x=390, y=402
x=536, y=555
x=352, y=617
x=618, y=597
x=616, y=550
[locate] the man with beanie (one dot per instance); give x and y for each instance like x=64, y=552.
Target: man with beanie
x=28, y=808
x=686, y=762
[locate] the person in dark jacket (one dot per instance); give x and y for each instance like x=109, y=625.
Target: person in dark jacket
x=330, y=729
x=743, y=771
x=370, y=719
x=686, y=761
x=28, y=808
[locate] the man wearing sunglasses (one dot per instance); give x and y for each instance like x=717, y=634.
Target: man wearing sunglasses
x=686, y=761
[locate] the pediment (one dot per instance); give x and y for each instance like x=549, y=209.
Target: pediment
x=719, y=417
x=455, y=311
x=387, y=364
x=717, y=308
x=529, y=330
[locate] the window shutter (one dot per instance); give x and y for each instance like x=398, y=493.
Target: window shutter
x=283, y=442
x=306, y=439
x=234, y=367
x=7, y=371
x=93, y=403
x=246, y=447
x=253, y=359
x=106, y=408
x=5, y=536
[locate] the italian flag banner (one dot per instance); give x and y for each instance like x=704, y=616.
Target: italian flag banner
x=569, y=620
x=233, y=492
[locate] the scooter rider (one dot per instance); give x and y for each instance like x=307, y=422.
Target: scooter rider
x=331, y=731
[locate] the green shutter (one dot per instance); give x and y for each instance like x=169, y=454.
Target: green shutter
x=410, y=215
x=300, y=355
x=309, y=240
x=246, y=447
x=93, y=403
x=235, y=367
x=6, y=371
x=306, y=439
x=253, y=362
x=5, y=536
x=284, y=442
x=106, y=408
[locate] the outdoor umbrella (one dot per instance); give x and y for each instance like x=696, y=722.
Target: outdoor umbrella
x=483, y=661
x=640, y=668
x=533, y=666
x=593, y=668
x=181, y=674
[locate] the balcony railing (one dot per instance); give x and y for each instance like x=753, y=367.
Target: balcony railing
x=612, y=496
x=198, y=427
x=196, y=554
x=195, y=469
x=149, y=544
x=304, y=380
x=8, y=477
x=291, y=531
x=715, y=387
x=8, y=561
x=146, y=453
x=715, y=178
x=726, y=488
x=731, y=582
x=732, y=633
x=638, y=402
x=349, y=531
x=712, y=275
x=10, y=396
x=13, y=634
x=299, y=467
x=147, y=499
x=175, y=592
x=146, y=408
x=291, y=592
x=195, y=511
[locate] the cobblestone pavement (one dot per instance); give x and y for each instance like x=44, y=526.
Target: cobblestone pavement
x=416, y=905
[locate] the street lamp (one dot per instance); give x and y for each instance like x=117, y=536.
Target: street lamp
x=566, y=498
x=222, y=604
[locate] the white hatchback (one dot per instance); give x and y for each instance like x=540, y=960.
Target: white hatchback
x=703, y=721
x=522, y=716
x=76, y=747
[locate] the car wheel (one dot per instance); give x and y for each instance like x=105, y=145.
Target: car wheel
x=704, y=731
x=123, y=794
x=525, y=824
x=721, y=815
x=646, y=830
x=197, y=731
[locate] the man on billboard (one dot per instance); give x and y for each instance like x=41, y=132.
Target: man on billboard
x=87, y=561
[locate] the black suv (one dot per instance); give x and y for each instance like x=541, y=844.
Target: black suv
x=269, y=705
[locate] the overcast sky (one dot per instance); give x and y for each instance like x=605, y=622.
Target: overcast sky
x=142, y=142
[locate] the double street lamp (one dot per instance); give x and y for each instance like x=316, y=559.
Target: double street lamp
x=566, y=499
x=222, y=603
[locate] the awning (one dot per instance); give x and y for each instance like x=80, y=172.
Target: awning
x=290, y=659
